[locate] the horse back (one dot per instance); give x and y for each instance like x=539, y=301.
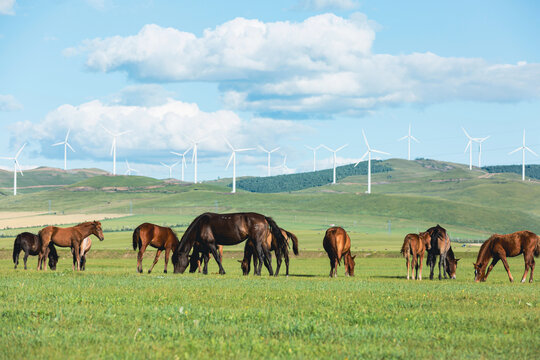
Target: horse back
x=336, y=242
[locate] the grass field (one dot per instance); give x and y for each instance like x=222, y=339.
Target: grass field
x=109, y=311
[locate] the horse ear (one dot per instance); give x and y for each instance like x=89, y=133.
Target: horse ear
x=354, y=257
x=240, y=261
x=457, y=260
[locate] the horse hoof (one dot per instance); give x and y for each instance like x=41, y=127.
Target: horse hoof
x=165, y=271
x=149, y=271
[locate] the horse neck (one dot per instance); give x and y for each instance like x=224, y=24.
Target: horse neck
x=484, y=254
x=86, y=229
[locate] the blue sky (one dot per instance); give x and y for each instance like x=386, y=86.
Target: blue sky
x=270, y=73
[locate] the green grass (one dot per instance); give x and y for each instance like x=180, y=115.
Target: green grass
x=111, y=312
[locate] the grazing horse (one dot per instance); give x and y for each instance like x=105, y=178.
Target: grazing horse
x=440, y=243
x=499, y=247
x=249, y=251
x=415, y=245
x=68, y=237
x=337, y=244
x=209, y=230
x=451, y=263
x=85, y=248
x=159, y=237
x=199, y=257
x=31, y=245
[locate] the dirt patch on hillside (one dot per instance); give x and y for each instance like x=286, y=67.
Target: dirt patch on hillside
x=29, y=219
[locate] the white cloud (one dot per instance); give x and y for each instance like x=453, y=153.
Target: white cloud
x=9, y=103
x=321, y=66
x=155, y=130
x=6, y=7
x=319, y=5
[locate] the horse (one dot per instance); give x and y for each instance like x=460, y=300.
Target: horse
x=159, y=237
x=415, y=245
x=337, y=244
x=499, y=247
x=200, y=256
x=210, y=229
x=68, y=237
x=249, y=251
x=440, y=243
x=451, y=263
x=85, y=248
x=31, y=245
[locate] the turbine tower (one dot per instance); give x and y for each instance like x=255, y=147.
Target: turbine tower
x=194, y=145
x=170, y=167
x=480, y=141
x=113, y=146
x=409, y=137
x=368, y=153
x=523, y=148
x=314, y=149
x=469, y=147
x=15, y=167
x=66, y=145
x=183, y=155
x=129, y=169
x=269, y=152
x=233, y=159
x=334, y=156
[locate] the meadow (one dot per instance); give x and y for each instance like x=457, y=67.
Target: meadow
x=109, y=311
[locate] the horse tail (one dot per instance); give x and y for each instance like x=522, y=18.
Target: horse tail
x=405, y=248
x=294, y=241
x=137, y=238
x=17, y=249
x=276, y=232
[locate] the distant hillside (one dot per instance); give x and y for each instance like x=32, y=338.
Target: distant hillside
x=532, y=171
x=44, y=177
x=294, y=182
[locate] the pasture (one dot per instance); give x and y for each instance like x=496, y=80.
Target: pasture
x=109, y=311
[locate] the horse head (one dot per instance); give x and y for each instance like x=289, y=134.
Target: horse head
x=350, y=265
x=53, y=260
x=97, y=230
x=478, y=272
x=180, y=260
x=451, y=267
x=245, y=266
x=425, y=237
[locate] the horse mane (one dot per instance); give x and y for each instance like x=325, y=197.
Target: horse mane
x=184, y=241
x=484, y=248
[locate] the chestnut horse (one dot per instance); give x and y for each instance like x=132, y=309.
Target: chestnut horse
x=440, y=243
x=249, y=251
x=68, y=237
x=499, y=247
x=85, y=248
x=209, y=230
x=159, y=237
x=337, y=244
x=31, y=245
x=415, y=245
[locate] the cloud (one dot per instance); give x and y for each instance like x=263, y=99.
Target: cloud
x=6, y=7
x=319, y=67
x=154, y=130
x=318, y=5
x=9, y=103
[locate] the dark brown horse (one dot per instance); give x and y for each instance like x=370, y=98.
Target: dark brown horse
x=200, y=257
x=337, y=244
x=159, y=237
x=209, y=230
x=31, y=245
x=68, y=237
x=249, y=251
x=415, y=245
x=440, y=243
x=499, y=247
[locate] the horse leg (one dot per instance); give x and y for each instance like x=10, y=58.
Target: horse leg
x=167, y=252
x=140, y=257
x=205, y=260
x=26, y=253
x=158, y=253
x=77, y=249
x=527, y=266
x=414, y=266
x=419, y=277
x=493, y=262
x=331, y=267
x=408, y=264
x=217, y=258
x=532, y=263
x=505, y=263
x=440, y=260
x=287, y=263
x=278, y=264
x=431, y=260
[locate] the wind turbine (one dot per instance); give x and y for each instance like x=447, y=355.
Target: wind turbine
x=170, y=167
x=480, y=141
x=233, y=159
x=268, y=152
x=468, y=147
x=113, y=146
x=368, y=153
x=409, y=137
x=194, y=145
x=314, y=149
x=523, y=148
x=334, y=152
x=183, y=155
x=15, y=167
x=283, y=166
x=129, y=169
x=66, y=145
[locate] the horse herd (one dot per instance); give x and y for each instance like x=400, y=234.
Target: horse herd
x=209, y=232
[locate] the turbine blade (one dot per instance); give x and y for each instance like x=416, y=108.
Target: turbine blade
x=519, y=148
x=365, y=139
x=59, y=143
x=403, y=138
x=113, y=146
x=310, y=148
x=107, y=130
x=380, y=152
x=164, y=164
x=263, y=149
x=415, y=139
x=532, y=152
x=466, y=134
x=17, y=165
x=362, y=158
x=124, y=133
x=276, y=149
x=67, y=135
x=228, y=143
x=69, y=146
x=467, y=147
x=175, y=153
x=344, y=146
x=19, y=152
x=247, y=149
x=230, y=159
x=327, y=148
x=188, y=149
